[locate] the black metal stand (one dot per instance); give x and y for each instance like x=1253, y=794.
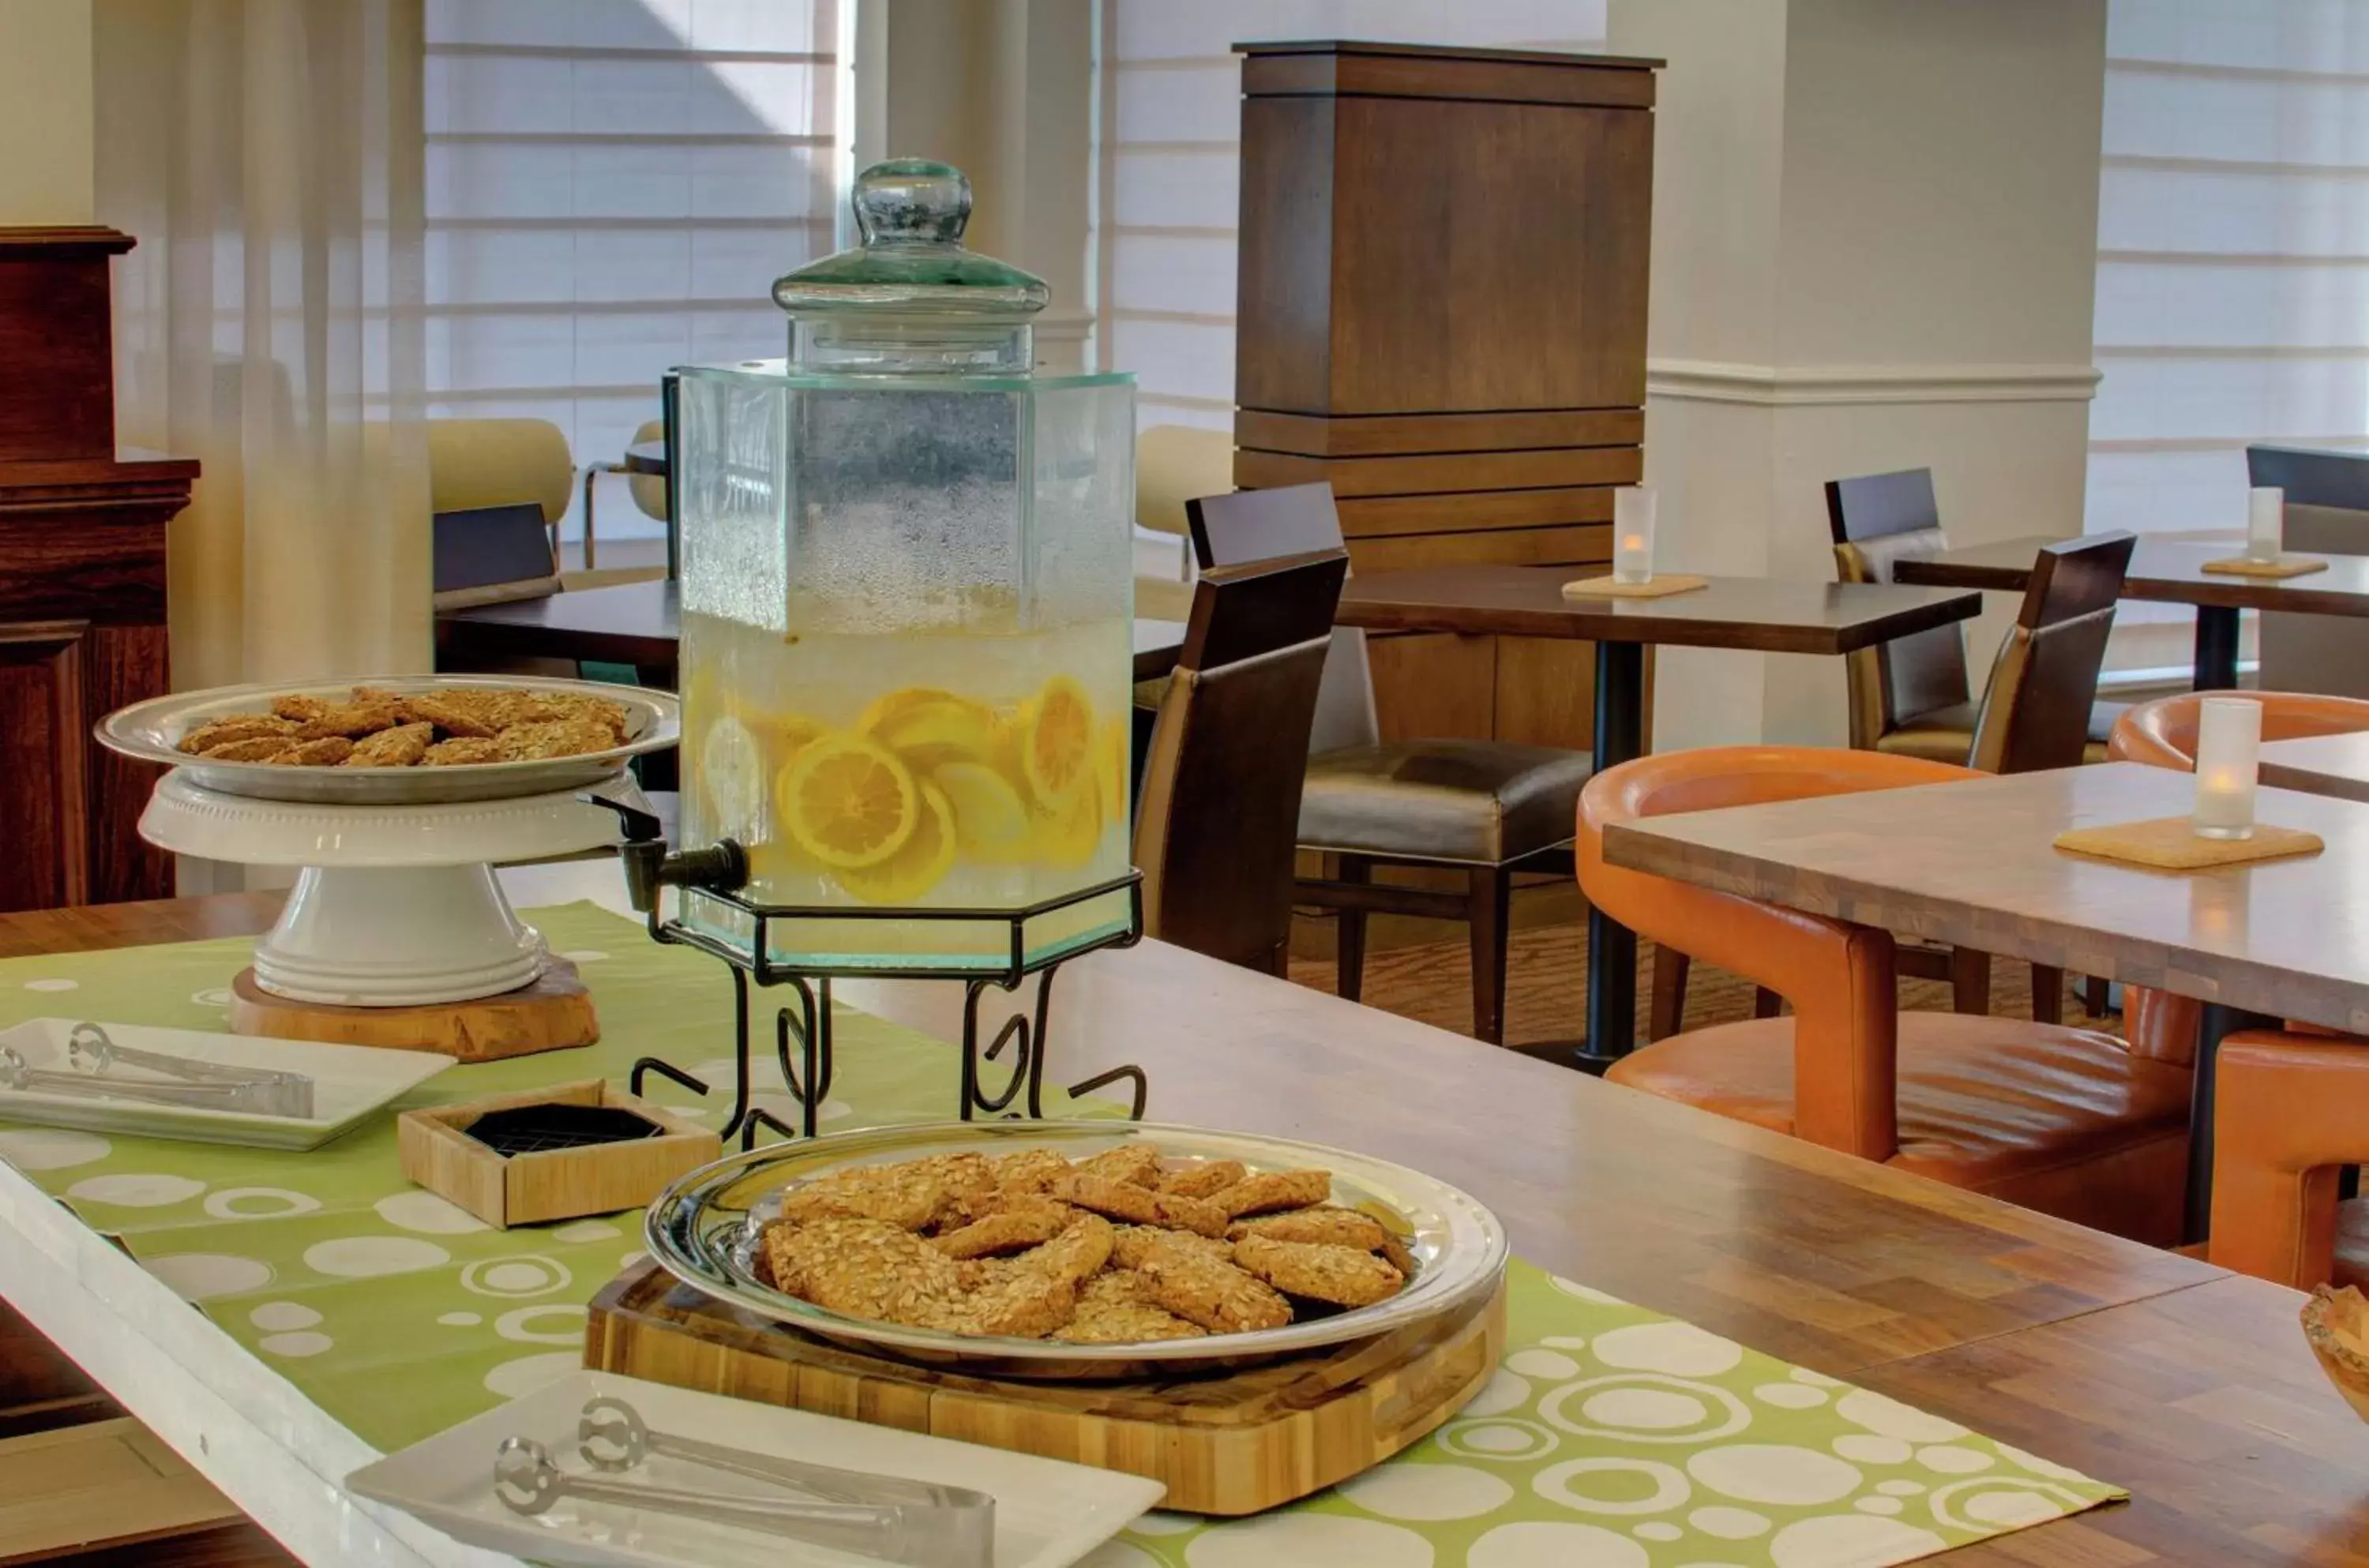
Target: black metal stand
x=2214, y=1024
x=802, y=1030
x=2216, y=648
x=1611, y=947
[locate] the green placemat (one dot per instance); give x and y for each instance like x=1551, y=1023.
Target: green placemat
x=1611, y=1438
x=395, y=1311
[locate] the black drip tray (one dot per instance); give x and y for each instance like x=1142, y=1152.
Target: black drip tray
x=539, y=1129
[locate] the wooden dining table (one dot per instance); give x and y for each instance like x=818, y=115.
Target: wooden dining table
x=2190, y=1387
x=2167, y=571
x=1755, y=615
x=2319, y=764
x=1973, y=864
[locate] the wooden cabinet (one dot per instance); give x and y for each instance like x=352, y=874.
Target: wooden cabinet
x=82, y=581
x=1442, y=312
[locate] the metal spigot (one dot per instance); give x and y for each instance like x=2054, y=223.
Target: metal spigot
x=650, y=865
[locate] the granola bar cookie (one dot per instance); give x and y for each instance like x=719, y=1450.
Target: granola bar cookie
x=1027, y=1304
x=1115, y=1309
x=1274, y=1189
x=554, y=737
x=1030, y=1170
x=1014, y=1228
x=239, y=727
x=1079, y=1253
x=1204, y=1178
x=1217, y=1296
x=352, y=720
x=325, y=752
x=1136, y=1164
x=401, y=747
x=1346, y=1276
x=450, y=714
x=262, y=748
x=866, y=1268
x=1133, y=1243
x=462, y=752
x=610, y=715
x=1140, y=1205
x=883, y=1193
x=1323, y=1223
x=298, y=707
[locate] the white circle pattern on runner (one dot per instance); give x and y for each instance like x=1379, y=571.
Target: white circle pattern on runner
x=1723, y=1523
x=1425, y=1492
x=1734, y=1419
x=295, y=1346
x=1879, y=1505
x=136, y=1190
x=283, y=1317
x=1900, y=1488
x=1999, y=1500
x=213, y=996
x=428, y=1213
x=1505, y=1439
x=1953, y=1460
x=1541, y=1363
x=1308, y=1540
x=53, y=985
x=1656, y=1530
x=1159, y=1523
x=1578, y=1292
x=365, y=1257
x=584, y=955
x=529, y=1373
x=1790, y=1396
x=461, y=1320
x=1648, y=1409
x=1868, y=1449
x=587, y=1231
x=50, y=1149
x=1565, y=1341
x=1774, y=1473
x=201, y=1276
x=1503, y=1391
x=232, y=1203
x=520, y=1324
x=1555, y=1545
x=1670, y=1489
x=1849, y=1538
x=1115, y=1553
x=1890, y=1418
x=2036, y=1465
x=520, y=1273
x=1680, y=1349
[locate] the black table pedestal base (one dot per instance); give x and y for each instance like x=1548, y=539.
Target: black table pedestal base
x=1611, y=947
x=2216, y=648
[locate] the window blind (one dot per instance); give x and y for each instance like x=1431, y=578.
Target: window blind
x=612, y=187
x=1168, y=155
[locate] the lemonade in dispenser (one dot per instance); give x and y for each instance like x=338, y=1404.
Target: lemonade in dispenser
x=907, y=609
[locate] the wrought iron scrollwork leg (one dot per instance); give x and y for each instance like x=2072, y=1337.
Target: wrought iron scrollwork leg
x=810, y=1026
x=1024, y=1032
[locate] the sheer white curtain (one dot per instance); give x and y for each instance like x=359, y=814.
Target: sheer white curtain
x=2233, y=262
x=1168, y=158
x=265, y=153
x=612, y=187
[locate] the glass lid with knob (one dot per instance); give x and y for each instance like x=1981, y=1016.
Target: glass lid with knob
x=912, y=297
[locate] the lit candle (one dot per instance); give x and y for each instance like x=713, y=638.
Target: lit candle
x=1633, y=534
x=2266, y=507
x=2228, y=744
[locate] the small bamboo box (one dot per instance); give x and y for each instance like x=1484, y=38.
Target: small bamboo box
x=562, y=1169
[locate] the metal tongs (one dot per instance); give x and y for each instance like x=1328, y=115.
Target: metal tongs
x=884, y=1516
x=203, y=1085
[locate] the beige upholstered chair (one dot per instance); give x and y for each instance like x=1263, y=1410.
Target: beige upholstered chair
x=648, y=491
x=1173, y=464
x=475, y=463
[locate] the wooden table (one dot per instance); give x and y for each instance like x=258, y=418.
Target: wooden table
x=2169, y=571
x=1972, y=864
x=2188, y=1385
x=1762, y=614
x=640, y=624
x=2319, y=764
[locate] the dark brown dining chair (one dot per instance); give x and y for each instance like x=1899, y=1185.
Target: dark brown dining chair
x=1485, y=809
x=1215, y=831
x=2036, y=713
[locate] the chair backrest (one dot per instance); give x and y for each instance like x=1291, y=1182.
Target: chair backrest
x=1172, y=464
x=2163, y=733
x=475, y=464
x=1218, y=819
x=2327, y=511
x=648, y=490
x=1877, y=521
x=1256, y=526
x=2036, y=709
x=492, y=556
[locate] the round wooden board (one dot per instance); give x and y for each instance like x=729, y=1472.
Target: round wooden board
x=554, y=1013
x=1226, y=1445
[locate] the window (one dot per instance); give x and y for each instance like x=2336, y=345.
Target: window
x=612, y=187
x=1168, y=160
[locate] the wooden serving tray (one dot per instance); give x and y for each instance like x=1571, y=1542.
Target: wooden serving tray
x=1229, y=1444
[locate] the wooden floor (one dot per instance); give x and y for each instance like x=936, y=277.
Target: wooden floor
x=1546, y=985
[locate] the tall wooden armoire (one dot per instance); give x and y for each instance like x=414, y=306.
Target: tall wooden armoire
x=1442, y=311
x=82, y=580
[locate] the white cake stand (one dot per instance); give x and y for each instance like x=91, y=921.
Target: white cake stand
x=394, y=905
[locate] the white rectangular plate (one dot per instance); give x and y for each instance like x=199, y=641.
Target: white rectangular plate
x=349, y=1082
x=1048, y=1514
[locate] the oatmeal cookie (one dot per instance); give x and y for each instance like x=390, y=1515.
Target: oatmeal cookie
x=239, y=727
x=882, y=1192
x=1346, y=1276
x=262, y=748
x=1325, y=1223
x=401, y=747
x=1117, y=1309
x=1138, y=1164
x=1078, y=1253
x=461, y=752
x=1133, y=1243
x=1217, y=1296
x=866, y=1268
x=327, y=751
x=554, y=737
x=1273, y=1190
x=1030, y=1170
x=351, y=721
x=298, y=707
x=1029, y=1304
x=1014, y=1228
x=450, y=713
x=1140, y=1205
x=1203, y=1178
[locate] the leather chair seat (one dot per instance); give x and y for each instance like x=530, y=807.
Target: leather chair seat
x=2353, y=1244
x=1477, y=802
x=2065, y=1121
x=1945, y=734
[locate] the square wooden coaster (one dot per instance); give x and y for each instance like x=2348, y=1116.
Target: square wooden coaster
x=1659, y=587
x=2246, y=567
x=2170, y=843
x=553, y=1174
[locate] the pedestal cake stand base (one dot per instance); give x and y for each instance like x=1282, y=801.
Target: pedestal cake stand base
x=552, y=1013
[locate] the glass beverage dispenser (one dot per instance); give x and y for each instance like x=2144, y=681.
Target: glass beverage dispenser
x=907, y=611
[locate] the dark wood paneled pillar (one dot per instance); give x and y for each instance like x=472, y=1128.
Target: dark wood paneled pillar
x=82, y=580
x=1442, y=311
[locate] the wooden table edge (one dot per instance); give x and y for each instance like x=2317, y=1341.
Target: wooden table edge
x=1661, y=630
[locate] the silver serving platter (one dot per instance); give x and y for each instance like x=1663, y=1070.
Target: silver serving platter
x=706, y=1231
x=151, y=731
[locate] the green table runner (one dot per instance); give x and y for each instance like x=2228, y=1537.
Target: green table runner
x=1613, y=1437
